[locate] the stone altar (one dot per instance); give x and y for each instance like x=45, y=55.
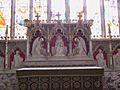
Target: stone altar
x=59, y=59
x=60, y=78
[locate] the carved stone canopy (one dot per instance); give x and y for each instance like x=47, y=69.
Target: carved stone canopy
x=59, y=26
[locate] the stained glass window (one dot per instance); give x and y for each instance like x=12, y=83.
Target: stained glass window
x=111, y=16
x=93, y=12
x=5, y=15
x=57, y=8
x=76, y=6
x=21, y=13
x=119, y=15
x=40, y=7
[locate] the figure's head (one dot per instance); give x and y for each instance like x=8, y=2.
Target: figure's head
x=100, y=50
x=41, y=39
x=76, y=39
x=118, y=49
x=17, y=52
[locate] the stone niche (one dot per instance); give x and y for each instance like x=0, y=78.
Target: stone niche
x=59, y=44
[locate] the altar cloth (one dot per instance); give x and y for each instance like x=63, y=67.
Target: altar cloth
x=58, y=68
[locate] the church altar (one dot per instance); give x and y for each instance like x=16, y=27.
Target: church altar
x=60, y=78
x=59, y=58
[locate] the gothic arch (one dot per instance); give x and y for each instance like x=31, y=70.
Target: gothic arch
x=37, y=31
x=115, y=49
x=58, y=30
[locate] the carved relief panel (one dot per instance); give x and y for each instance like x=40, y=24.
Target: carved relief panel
x=100, y=56
x=116, y=55
x=80, y=39
x=59, y=41
x=37, y=41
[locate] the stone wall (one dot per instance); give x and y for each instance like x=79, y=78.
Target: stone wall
x=8, y=81
x=111, y=80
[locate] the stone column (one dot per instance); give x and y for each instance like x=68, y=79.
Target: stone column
x=6, y=48
x=12, y=29
x=118, y=4
x=70, y=41
x=31, y=10
x=103, y=30
x=67, y=10
x=90, y=46
x=28, y=47
x=110, y=48
x=85, y=10
x=48, y=42
x=49, y=11
x=89, y=24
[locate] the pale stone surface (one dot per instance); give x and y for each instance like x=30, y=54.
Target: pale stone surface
x=100, y=59
x=37, y=48
x=1, y=63
x=80, y=49
x=17, y=60
x=116, y=58
x=59, y=47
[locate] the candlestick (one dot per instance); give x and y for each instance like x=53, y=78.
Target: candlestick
x=6, y=48
x=110, y=46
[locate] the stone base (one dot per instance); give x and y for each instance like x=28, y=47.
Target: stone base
x=60, y=78
x=59, y=61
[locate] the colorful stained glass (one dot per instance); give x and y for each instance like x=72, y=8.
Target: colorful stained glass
x=58, y=12
x=93, y=12
x=111, y=16
x=40, y=7
x=5, y=15
x=76, y=6
x=21, y=13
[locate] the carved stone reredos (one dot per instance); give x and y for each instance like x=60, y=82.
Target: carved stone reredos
x=79, y=26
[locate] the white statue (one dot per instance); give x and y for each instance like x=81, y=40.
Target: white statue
x=116, y=58
x=80, y=48
x=17, y=60
x=37, y=47
x=100, y=58
x=59, y=47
